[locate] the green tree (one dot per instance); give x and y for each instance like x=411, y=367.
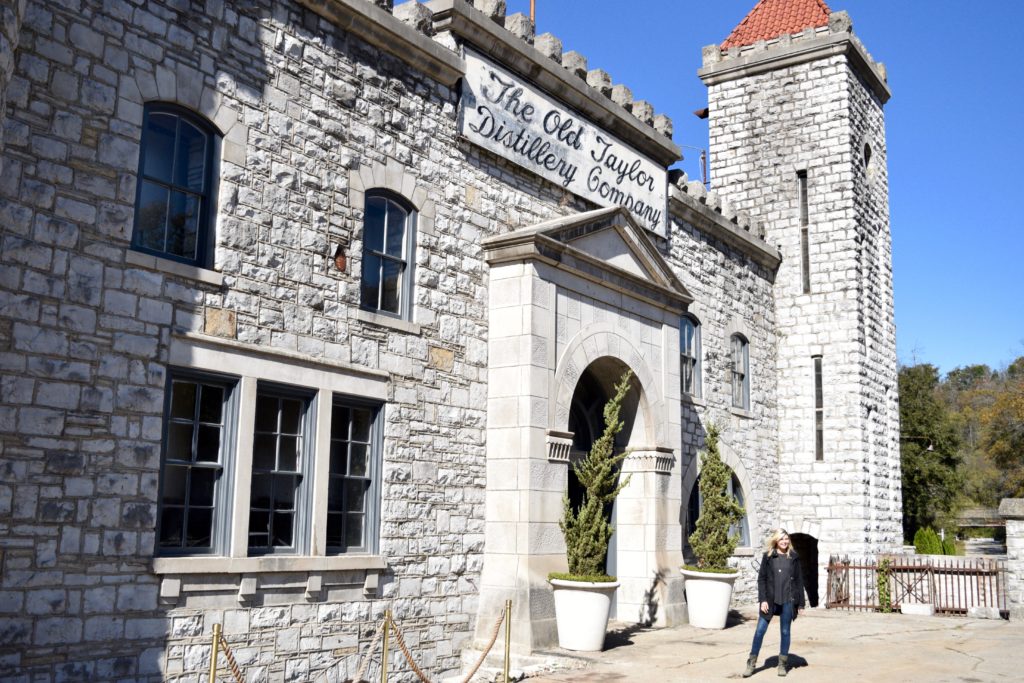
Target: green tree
x=1004, y=431
x=929, y=449
x=588, y=530
x=711, y=541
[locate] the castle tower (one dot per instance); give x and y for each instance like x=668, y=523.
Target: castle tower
x=797, y=140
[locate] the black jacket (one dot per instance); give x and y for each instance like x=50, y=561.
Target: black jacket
x=766, y=584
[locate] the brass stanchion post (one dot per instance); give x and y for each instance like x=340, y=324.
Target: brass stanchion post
x=384, y=655
x=508, y=635
x=213, y=653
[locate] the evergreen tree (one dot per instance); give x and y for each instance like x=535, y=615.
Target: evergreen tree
x=719, y=511
x=588, y=530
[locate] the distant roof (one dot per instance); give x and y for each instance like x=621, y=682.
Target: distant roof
x=773, y=18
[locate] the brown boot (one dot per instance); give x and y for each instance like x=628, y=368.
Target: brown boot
x=751, y=663
x=783, y=662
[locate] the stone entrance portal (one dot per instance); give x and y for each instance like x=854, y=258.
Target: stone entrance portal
x=574, y=302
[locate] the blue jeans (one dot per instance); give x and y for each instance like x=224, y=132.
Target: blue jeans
x=762, y=627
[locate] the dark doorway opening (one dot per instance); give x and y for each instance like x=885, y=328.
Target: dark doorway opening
x=806, y=547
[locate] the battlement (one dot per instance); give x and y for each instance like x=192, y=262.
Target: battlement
x=437, y=16
x=722, y=64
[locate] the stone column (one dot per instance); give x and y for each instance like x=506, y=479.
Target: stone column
x=524, y=487
x=1012, y=510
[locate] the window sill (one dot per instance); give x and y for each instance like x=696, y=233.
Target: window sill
x=740, y=412
x=164, y=265
x=747, y=551
x=268, y=564
x=387, y=321
x=695, y=400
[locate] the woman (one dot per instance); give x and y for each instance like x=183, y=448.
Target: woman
x=780, y=590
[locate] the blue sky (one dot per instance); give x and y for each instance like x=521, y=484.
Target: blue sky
x=955, y=130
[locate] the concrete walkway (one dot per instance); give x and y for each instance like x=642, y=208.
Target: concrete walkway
x=828, y=646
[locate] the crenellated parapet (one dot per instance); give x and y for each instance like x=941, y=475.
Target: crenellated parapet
x=520, y=29
x=721, y=64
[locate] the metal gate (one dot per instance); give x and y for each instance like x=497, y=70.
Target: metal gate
x=951, y=584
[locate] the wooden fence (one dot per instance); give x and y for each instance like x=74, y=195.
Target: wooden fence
x=952, y=584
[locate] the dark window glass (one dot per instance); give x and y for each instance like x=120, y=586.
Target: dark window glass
x=740, y=370
x=350, y=478
x=387, y=236
x=278, y=443
x=192, y=464
x=172, y=215
x=689, y=357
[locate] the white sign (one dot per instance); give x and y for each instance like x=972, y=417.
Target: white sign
x=502, y=113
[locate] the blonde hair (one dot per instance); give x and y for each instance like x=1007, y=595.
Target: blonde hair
x=773, y=542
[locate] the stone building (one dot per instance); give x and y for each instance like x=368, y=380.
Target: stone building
x=306, y=307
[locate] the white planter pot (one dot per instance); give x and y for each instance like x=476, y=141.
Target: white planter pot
x=581, y=613
x=707, y=597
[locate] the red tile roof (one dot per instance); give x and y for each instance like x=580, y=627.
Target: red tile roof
x=773, y=18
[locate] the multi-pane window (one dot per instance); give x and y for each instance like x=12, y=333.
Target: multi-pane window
x=353, y=472
x=199, y=470
x=689, y=357
x=819, y=411
x=175, y=185
x=388, y=235
x=193, y=487
x=740, y=372
x=278, y=464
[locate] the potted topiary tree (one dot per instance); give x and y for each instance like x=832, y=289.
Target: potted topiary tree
x=583, y=596
x=708, y=585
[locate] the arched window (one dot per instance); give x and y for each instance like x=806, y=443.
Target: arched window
x=689, y=356
x=388, y=238
x=741, y=528
x=740, y=372
x=176, y=184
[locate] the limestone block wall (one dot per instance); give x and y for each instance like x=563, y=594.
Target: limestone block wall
x=11, y=14
x=88, y=325
x=814, y=117
x=731, y=294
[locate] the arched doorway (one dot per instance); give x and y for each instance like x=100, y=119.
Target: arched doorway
x=594, y=388
x=806, y=546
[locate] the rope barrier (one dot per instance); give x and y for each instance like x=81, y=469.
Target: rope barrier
x=232, y=664
x=487, y=650
x=408, y=655
x=220, y=644
x=365, y=664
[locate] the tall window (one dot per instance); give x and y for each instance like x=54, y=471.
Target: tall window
x=689, y=356
x=278, y=469
x=819, y=412
x=198, y=432
x=175, y=188
x=353, y=477
x=388, y=238
x=805, y=247
x=740, y=371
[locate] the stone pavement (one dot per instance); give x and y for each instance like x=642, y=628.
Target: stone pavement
x=827, y=646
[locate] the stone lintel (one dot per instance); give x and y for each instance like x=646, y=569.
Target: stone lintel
x=707, y=220
x=382, y=30
x=507, y=49
x=780, y=55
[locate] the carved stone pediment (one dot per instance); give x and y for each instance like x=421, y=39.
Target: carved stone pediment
x=604, y=245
